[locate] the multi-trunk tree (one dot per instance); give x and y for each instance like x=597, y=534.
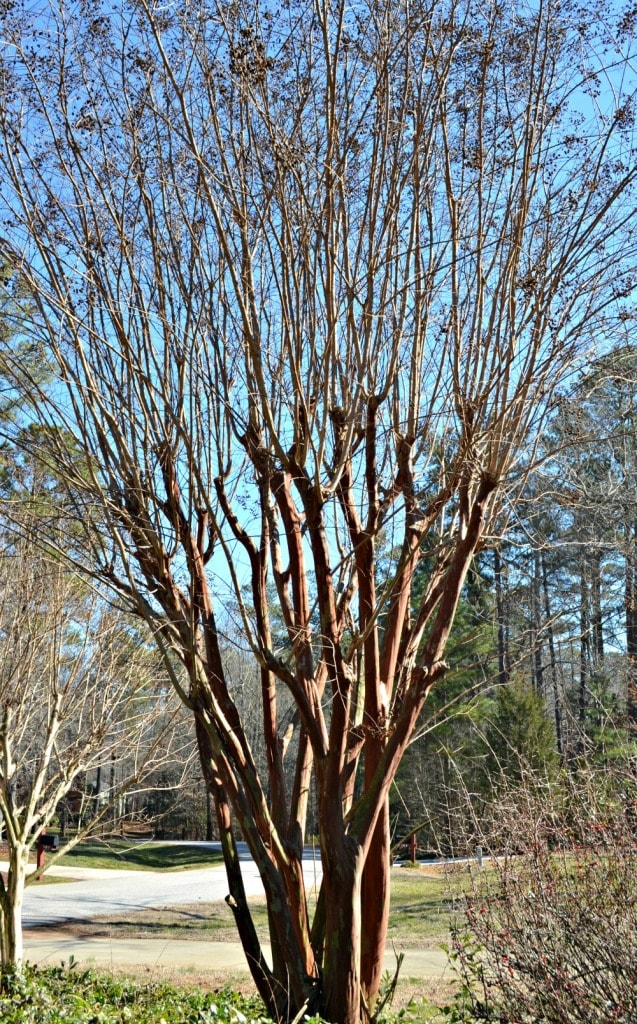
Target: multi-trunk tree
x=308, y=277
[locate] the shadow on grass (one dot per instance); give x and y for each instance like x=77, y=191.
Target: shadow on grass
x=211, y=921
x=149, y=856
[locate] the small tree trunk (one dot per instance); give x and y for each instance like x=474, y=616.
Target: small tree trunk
x=503, y=653
x=596, y=609
x=114, y=810
x=557, y=700
x=584, y=660
x=536, y=629
x=236, y=899
x=630, y=605
x=12, y=898
x=208, y=816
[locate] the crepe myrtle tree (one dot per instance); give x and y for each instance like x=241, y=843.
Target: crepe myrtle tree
x=308, y=276
x=78, y=693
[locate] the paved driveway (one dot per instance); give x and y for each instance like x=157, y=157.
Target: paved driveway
x=97, y=892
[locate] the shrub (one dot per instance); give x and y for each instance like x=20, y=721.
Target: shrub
x=56, y=995
x=549, y=929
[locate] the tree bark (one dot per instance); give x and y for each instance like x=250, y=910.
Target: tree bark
x=503, y=652
x=375, y=908
x=557, y=699
x=584, y=648
x=262, y=975
x=630, y=606
x=597, y=630
x=343, y=869
x=11, y=899
x=536, y=627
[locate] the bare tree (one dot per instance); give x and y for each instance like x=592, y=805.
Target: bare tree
x=308, y=278
x=76, y=694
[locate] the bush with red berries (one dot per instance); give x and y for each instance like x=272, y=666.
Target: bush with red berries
x=549, y=931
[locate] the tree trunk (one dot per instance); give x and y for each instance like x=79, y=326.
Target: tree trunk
x=503, y=653
x=209, y=832
x=536, y=627
x=584, y=650
x=375, y=908
x=557, y=700
x=630, y=604
x=262, y=975
x=111, y=784
x=342, y=878
x=596, y=609
x=11, y=903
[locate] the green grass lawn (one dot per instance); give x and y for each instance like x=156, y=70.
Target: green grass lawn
x=48, y=880
x=422, y=906
x=151, y=856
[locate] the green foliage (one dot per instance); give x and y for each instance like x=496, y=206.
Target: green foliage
x=60, y=995
x=516, y=733
x=605, y=727
x=471, y=654
x=56, y=995
x=487, y=740
x=422, y=1011
x=450, y=735
x=417, y=1011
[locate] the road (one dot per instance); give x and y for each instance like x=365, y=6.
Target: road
x=98, y=892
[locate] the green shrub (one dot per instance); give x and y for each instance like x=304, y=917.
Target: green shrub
x=58, y=995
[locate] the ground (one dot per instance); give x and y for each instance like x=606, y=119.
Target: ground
x=195, y=943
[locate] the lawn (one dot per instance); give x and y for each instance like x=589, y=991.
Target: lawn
x=422, y=904
x=146, y=856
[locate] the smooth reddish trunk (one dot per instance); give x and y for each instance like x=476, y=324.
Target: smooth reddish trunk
x=236, y=899
x=375, y=908
x=342, y=964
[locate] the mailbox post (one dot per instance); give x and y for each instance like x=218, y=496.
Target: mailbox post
x=46, y=841
x=413, y=848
